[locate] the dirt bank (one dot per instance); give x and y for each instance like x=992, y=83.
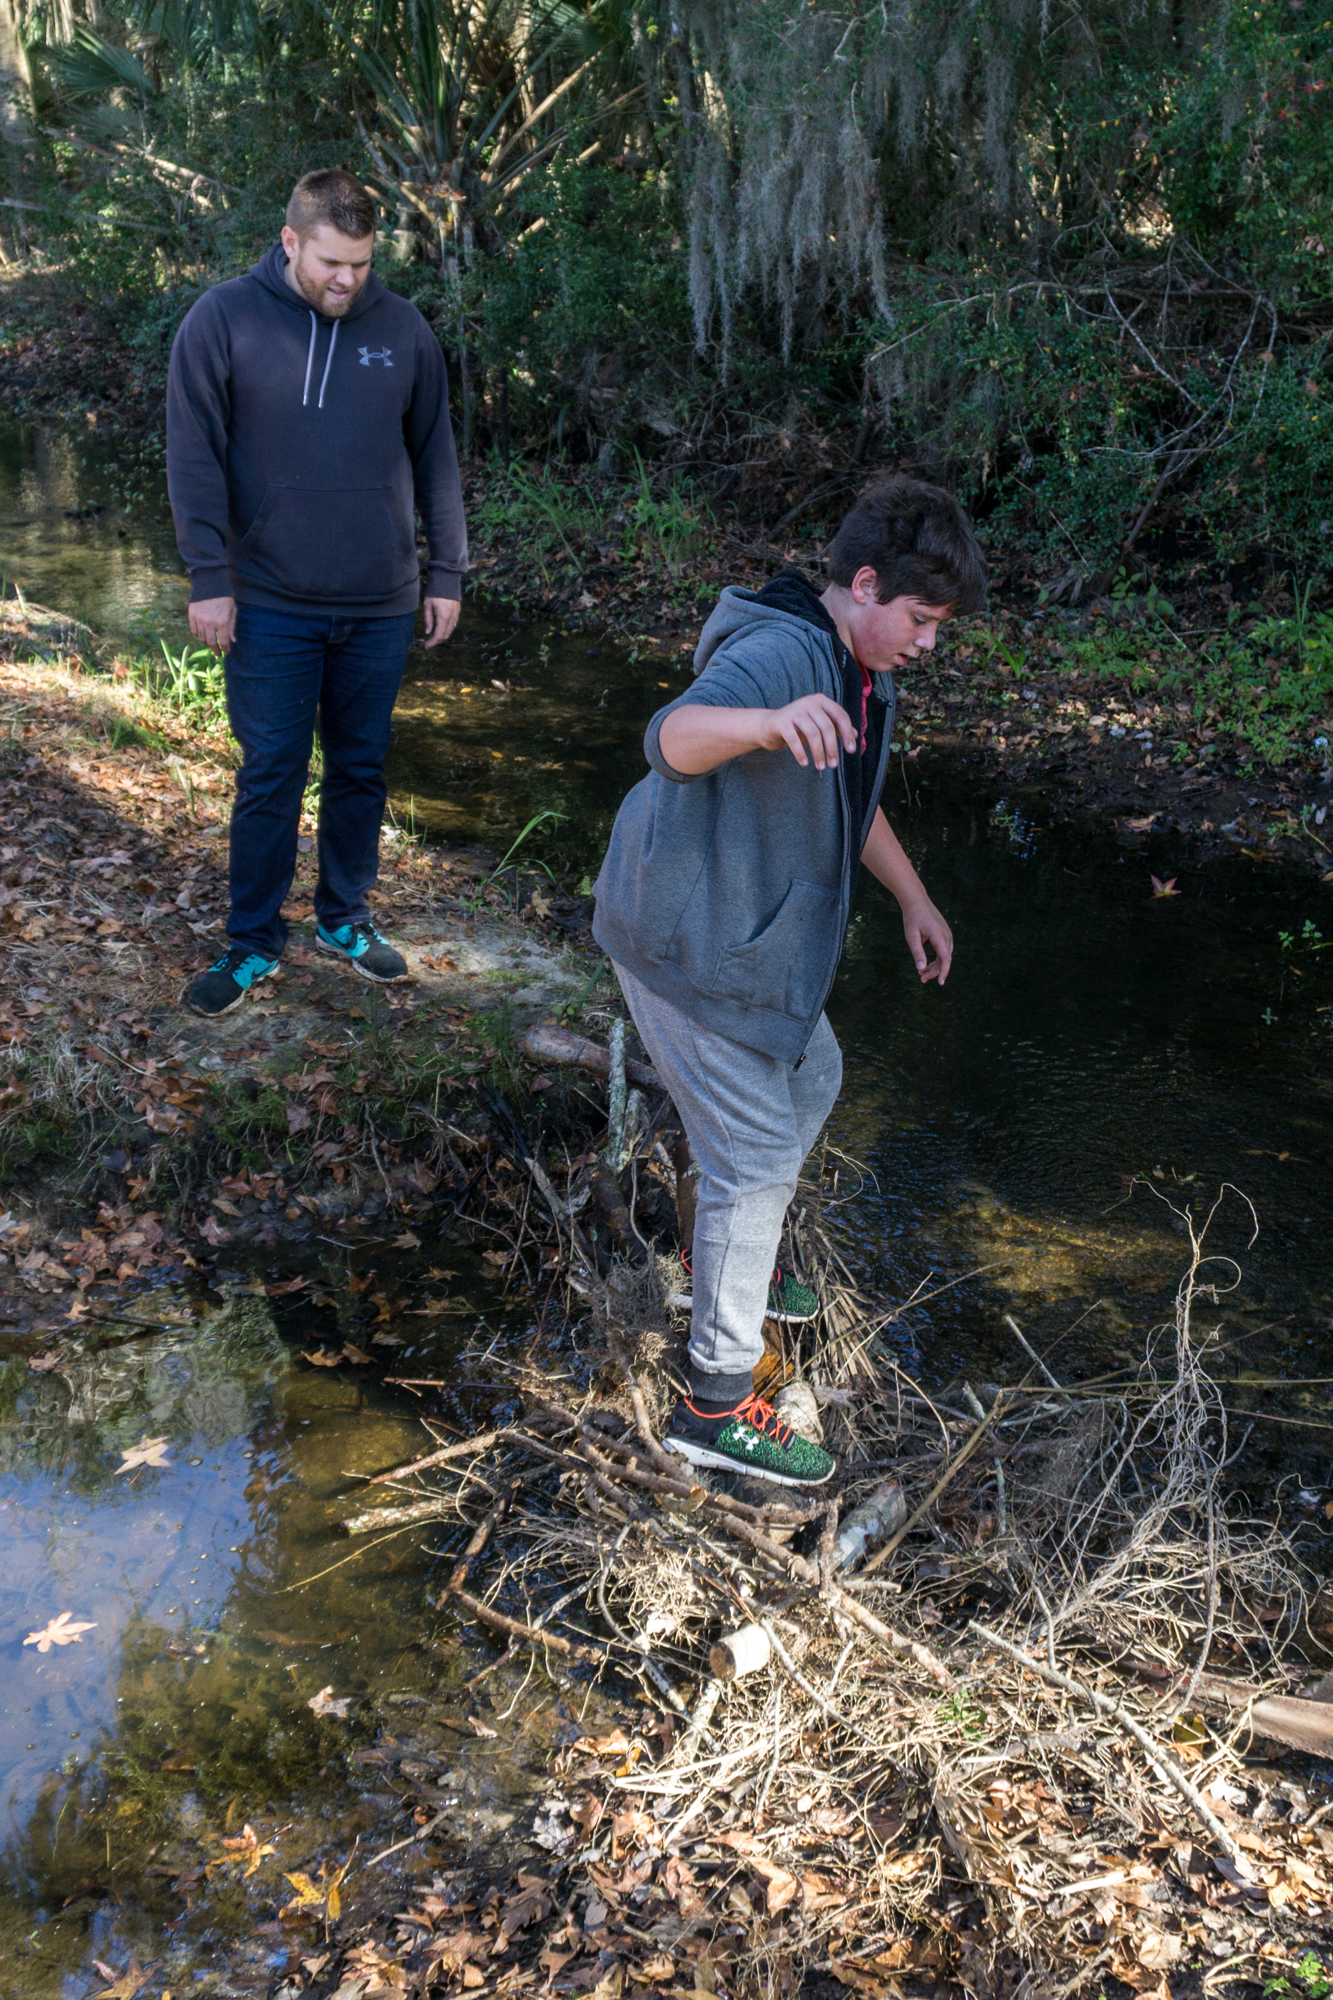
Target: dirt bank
x=136, y=1137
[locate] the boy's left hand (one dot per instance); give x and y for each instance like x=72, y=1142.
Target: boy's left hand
x=923, y=925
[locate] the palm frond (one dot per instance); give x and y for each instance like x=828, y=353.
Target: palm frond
x=88, y=65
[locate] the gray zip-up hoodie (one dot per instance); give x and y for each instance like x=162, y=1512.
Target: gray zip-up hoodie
x=299, y=446
x=729, y=893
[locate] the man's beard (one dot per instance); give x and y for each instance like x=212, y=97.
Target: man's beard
x=331, y=307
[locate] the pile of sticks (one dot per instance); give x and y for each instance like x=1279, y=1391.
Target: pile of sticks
x=957, y=1717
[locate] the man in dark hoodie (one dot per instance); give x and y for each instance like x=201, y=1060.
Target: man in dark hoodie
x=723, y=903
x=307, y=422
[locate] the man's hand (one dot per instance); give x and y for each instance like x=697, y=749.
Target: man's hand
x=441, y=618
x=213, y=620
x=923, y=925
x=815, y=721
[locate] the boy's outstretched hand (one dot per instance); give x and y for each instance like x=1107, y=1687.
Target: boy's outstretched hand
x=815, y=722
x=924, y=926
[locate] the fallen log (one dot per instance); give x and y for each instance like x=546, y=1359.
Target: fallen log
x=558, y=1045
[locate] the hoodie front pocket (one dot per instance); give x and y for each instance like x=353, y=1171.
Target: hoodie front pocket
x=787, y=967
x=329, y=543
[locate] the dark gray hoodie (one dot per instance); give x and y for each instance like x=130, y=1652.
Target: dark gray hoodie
x=299, y=446
x=729, y=893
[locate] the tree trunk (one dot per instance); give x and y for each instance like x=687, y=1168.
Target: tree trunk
x=15, y=80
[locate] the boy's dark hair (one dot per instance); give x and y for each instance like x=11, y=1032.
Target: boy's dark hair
x=333, y=196
x=918, y=541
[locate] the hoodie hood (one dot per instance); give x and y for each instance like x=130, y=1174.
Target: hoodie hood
x=740, y=610
x=787, y=599
x=271, y=273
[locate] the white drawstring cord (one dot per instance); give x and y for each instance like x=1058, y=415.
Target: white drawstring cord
x=310, y=361
x=333, y=342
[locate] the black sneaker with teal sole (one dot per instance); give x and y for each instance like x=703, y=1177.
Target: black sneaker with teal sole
x=226, y=984
x=364, y=950
x=751, y=1438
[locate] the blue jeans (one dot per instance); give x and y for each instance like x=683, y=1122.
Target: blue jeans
x=285, y=671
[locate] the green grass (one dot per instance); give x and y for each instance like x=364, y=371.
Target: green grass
x=1264, y=681
x=658, y=518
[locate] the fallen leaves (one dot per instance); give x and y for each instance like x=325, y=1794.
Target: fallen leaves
x=314, y=1895
x=245, y=1846
x=124, y=1985
x=1160, y=888
x=61, y=1631
x=148, y=1451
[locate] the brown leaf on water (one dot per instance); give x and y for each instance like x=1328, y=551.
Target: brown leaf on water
x=614, y=1745
x=407, y=1241
x=42, y=1364
x=124, y=1985
x=356, y=1355
x=359, y=1284
x=61, y=1631
x=148, y=1451
x=320, y=1357
x=480, y=1728
x=248, y=1847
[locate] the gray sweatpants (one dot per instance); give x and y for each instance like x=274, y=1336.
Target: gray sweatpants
x=750, y=1120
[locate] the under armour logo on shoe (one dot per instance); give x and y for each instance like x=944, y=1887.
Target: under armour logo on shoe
x=377, y=354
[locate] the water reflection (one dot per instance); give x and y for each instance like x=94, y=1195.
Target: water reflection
x=1095, y=1056
x=183, y=1707
x=69, y=540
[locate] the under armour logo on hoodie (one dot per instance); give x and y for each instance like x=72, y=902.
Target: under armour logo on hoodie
x=380, y=354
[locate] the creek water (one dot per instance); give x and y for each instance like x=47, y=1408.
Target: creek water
x=1100, y=1061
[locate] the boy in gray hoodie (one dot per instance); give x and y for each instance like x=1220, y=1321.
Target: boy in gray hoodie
x=724, y=899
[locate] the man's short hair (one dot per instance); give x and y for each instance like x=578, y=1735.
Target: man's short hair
x=918, y=541
x=333, y=196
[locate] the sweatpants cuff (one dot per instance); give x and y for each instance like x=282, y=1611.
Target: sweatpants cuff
x=725, y=1390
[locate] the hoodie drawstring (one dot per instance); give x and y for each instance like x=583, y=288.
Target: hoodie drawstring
x=310, y=362
x=333, y=342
